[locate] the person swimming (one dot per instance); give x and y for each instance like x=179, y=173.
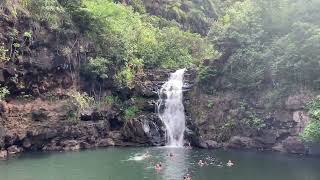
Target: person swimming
x=171, y=154
x=140, y=157
x=200, y=163
x=230, y=163
x=158, y=166
x=187, y=177
x=188, y=146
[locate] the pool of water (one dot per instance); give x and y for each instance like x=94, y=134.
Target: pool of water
x=128, y=164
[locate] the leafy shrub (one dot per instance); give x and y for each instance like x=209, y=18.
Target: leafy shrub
x=78, y=102
x=4, y=92
x=126, y=75
x=27, y=34
x=131, y=112
x=181, y=49
x=254, y=122
x=106, y=102
x=97, y=68
x=250, y=119
x=138, y=6
x=3, y=53
x=82, y=100
x=312, y=130
x=112, y=100
x=49, y=11
x=210, y=104
x=207, y=75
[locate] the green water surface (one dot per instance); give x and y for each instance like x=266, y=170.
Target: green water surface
x=127, y=164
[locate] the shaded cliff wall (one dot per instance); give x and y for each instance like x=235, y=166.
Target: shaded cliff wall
x=248, y=120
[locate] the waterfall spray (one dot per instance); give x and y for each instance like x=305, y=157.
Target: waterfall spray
x=171, y=110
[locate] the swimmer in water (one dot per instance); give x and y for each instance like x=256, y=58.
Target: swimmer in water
x=187, y=177
x=146, y=155
x=171, y=154
x=230, y=163
x=200, y=163
x=188, y=146
x=158, y=166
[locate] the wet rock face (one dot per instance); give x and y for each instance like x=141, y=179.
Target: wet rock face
x=12, y=150
x=238, y=142
x=2, y=135
x=209, y=144
x=145, y=129
x=71, y=137
x=294, y=145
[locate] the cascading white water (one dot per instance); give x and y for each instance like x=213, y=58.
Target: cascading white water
x=171, y=110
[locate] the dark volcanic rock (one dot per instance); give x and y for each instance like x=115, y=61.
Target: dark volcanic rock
x=2, y=78
x=267, y=138
x=91, y=116
x=14, y=150
x=213, y=144
x=239, y=142
x=26, y=143
x=70, y=145
x=145, y=129
x=40, y=115
x=209, y=144
x=294, y=145
x=105, y=142
x=2, y=135
x=10, y=139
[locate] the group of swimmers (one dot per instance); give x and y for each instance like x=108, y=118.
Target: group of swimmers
x=201, y=163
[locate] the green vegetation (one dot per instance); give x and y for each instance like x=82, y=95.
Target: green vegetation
x=3, y=93
x=3, y=54
x=106, y=102
x=250, y=118
x=312, y=130
x=249, y=46
x=112, y=100
x=131, y=112
x=78, y=102
x=193, y=15
x=269, y=44
x=261, y=44
x=127, y=41
x=125, y=38
x=48, y=11
x=210, y=104
x=97, y=68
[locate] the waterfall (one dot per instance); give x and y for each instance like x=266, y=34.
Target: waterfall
x=171, y=110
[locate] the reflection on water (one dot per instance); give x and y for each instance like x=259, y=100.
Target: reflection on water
x=176, y=165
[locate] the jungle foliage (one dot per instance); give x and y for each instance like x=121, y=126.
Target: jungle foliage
x=269, y=44
x=312, y=131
